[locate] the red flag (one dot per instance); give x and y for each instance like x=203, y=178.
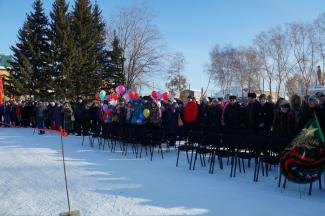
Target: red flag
x=1, y=90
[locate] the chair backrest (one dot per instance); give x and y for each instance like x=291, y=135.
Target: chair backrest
x=195, y=137
x=231, y=140
x=276, y=144
x=211, y=139
x=253, y=142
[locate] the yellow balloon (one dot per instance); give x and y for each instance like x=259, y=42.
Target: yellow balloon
x=146, y=113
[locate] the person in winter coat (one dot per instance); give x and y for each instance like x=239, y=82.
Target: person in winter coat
x=265, y=115
x=295, y=105
x=7, y=109
x=190, y=113
x=1, y=112
x=58, y=114
x=284, y=121
x=79, y=113
x=214, y=116
x=94, y=116
x=310, y=111
x=155, y=115
x=233, y=116
x=68, y=117
x=251, y=112
x=173, y=118
x=40, y=111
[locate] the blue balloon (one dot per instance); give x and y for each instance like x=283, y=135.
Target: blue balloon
x=105, y=107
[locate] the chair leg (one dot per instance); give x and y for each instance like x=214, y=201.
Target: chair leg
x=177, y=158
x=284, y=183
x=232, y=166
x=221, y=163
x=310, y=187
x=239, y=164
x=201, y=160
x=280, y=176
x=161, y=151
x=152, y=150
x=191, y=159
x=249, y=163
x=262, y=168
x=243, y=162
x=236, y=160
x=195, y=158
x=188, y=159
x=258, y=170
x=212, y=161
x=320, y=181
x=267, y=169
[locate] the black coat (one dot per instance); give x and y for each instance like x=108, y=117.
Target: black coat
x=308, y=113
x=265, y=116
x=214, y=116
x=79, y=111
x=233, y=117
x=251, y=115
x=284, y=124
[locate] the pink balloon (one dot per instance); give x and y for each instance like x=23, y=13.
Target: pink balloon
x=120, y=89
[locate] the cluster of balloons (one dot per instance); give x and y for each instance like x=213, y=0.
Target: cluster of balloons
x=157, y=95
x=128, y=96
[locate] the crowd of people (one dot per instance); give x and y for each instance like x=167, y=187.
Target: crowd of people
x=258, y=114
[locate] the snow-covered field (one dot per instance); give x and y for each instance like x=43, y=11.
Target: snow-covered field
x=105, y=183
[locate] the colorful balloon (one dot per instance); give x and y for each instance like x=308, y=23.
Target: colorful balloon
x=154, y=94
x=159, y=95
x=120, y=89
x=107, y=98
x=132, y=94
x=97, y=96
x=102, y=94
x=115, y=96
x=105, y=107
x=146, y=113
x=165, y=95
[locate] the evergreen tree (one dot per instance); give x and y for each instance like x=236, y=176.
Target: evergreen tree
x=116, y=63
x=31, y=56
x=99, y=32
x=89, y=35
x=63, y=49
x=20, y=80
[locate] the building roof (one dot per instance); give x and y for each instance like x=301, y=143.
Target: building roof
x=4, y=61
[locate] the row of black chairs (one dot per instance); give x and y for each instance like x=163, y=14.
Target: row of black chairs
x=207, y=145
x=264, y=149
x=138, y=137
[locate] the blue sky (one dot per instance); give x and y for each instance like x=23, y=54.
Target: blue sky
x=192, y=27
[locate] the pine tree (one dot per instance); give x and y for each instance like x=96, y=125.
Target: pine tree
x=116, y=63
x=31, y=56
x=63, y=49
x=99, y=32
x=88, y=31
x=20, y=79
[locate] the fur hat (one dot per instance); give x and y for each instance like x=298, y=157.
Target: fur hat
x=251, y=95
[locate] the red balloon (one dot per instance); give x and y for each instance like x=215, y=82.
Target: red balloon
x=154, y=94
x=132, y=94
x=115, y=96
x=97, y=96
x=165, y=95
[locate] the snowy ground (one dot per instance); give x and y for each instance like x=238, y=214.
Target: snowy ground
x=105, y=183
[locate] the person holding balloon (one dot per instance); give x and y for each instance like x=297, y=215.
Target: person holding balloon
x=155, y=114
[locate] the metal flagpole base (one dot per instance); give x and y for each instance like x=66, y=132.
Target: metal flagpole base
x=72, y=213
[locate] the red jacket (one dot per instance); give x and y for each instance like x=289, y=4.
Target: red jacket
x=190, y=112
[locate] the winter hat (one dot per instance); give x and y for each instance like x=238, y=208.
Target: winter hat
x=232, y=97
x=313, y=99
x=251, y=95
x=285, y=104
x=262, y=96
